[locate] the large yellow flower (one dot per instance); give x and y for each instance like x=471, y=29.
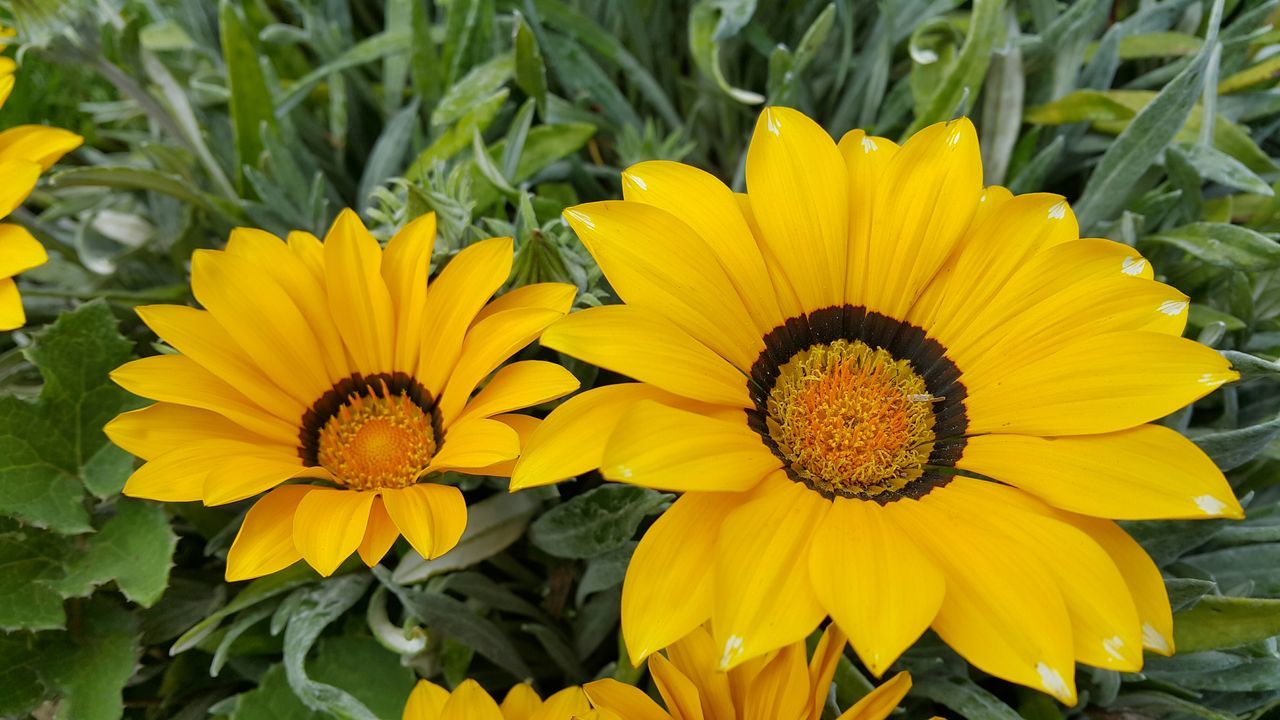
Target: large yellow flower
x=336, y=363
x=25, y=152
x=889, y=396
x=780, y=685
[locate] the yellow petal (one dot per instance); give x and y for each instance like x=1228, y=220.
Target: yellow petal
x=661, y=447
x=799, y=190
x=987, y=614
x=358, y=296
x=309, y=250
x=866, y=159
x=781, y=690
x=763, y=595
x=628, y=701
x=264, y=543
x=304, y=284
x=329, y=526
x=431, y=517
x=549, y=296
x=678, y=693
x=19, y=251
x=673, y=560
x=656, y=262
x=198, y=336
x=405, y=267
x=925, y=201
x=159, y=428
x=20, y=178
x=1140, y=573
x=520, y=703
x=263, y=319
x=469, y=701
x=12, y=316
x=174, y=476
x=822, y=668
x=568, y=703
x=524, y=426
x=475, y=443
x=643, y=345
x=788, y=300
x=37, y=144
x=453, y=300
x=487, y=346
x=379, y=536
x=6, y=79
x=709, y=208
x=873, y=580
x=1099, y=384
x=245, y=471
x=877, y=704
x=426, y=702
x=996, y=246
x=1104, y=620
x=694, y=655
x=520, y=385
x=1144, y=473
x=178, y=379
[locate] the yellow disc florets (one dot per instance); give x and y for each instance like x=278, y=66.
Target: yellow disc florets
x=851, y=420
x=377, y=440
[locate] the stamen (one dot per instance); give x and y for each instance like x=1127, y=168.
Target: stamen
x=377, y=438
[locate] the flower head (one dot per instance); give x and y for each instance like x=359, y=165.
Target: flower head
x=25, y=152
x=890, y=396
x=335, y=365
x=469, y=701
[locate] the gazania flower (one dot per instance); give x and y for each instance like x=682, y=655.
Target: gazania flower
x=890, y=397
x=335, y=365
x=780, y=685
x=469, y=701
x=25, y=152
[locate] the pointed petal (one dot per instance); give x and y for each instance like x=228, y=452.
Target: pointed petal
x=405, y=267
x=19, y=251
x=877, y=704
x=568, y=703
x=520, y=385
x=244, y=471
x=431, y=517
x=426, y=701
x=678, y=693
x=822, y=668
x=12, y=315
x=487, y=346
x=379, y=536
x=264, y=543
x=38, y=144
x=673, y=559
x=469, y=701
x=763, y=595
x=645, y=346
x=799, y=191
x=873, y=580
x=157, y=429
x=358, y=296
x=548, y=296
x=694, y=655
x=628, y=701
x=665, y=448
x=866, y=159
x=20, y=178
x=520, y=703
x=475, y=444
x=329, y=526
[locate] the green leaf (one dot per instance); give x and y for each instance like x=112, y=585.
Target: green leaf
x=1154, y=127
x=1232, y=448
x=258, y=591
x=366, y=51
x=369, y=672
x=705, y=48
x=319, y=607
x=30, y=564
x=455, y=621
x=448, y=143
x=531, y=69
x=21, y=688
x=1216, y=165
x=1257, y=564
x=129, y=178
x=965, y=697
x=272, y=699
x=481, y=82
x=964, y=78
x=1223, y=245
x=88, y=667
x=594, y=522
x=388, y=155
x=134, y=548
x=1218, y=622
x=250, y=99
x=44, y=445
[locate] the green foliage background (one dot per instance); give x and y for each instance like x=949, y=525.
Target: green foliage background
x=1158, y=119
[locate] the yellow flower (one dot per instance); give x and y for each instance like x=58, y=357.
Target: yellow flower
x=469, y=701
x=335, y=362
x=25, y=152
x=779, y=685
x=833, y=369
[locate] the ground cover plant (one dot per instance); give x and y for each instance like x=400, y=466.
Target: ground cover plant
x=1156, y=120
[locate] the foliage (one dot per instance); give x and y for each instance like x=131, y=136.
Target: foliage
x=1158, y=119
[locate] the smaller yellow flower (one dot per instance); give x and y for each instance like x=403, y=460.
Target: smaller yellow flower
x=25, y=152
x=779, y=685
x=470, y=702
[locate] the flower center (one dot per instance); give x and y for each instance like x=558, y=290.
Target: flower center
x=375, y=432
x=850, y=419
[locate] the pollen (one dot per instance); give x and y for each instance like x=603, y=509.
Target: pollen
x=851, y=420
x=377, y=440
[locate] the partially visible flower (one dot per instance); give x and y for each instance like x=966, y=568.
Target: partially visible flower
x=469, y=701
x=25, y=152
x=780, y=685
x=334, y=364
